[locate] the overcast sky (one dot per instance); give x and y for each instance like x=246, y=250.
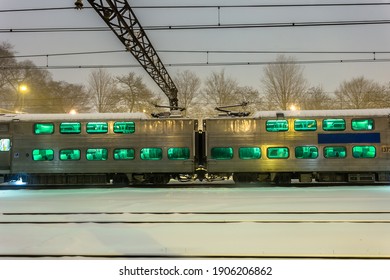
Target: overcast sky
x=341, y=38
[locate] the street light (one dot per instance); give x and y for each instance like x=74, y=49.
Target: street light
x=22, y=89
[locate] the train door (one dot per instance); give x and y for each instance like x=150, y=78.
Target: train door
x=5, y=155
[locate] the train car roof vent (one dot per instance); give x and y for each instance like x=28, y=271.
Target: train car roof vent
x=280, y=115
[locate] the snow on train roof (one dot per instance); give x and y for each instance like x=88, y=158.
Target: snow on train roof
x=324, y=113
x=83, y=116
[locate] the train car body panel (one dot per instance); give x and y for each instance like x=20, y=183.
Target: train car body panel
x=304, y=143
x=129, y=144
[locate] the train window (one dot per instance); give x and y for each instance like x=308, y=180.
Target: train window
x=222, y=153
x=333, y=124
x=97, y=127
x=97, y=154
x=276, y=125
x=178, y=153
x=249, y=152
x=70, y=154
x=42, y=154
x=305, y=125
x=335, y=152
x=5, y=145
x=124, y=154
x=363, y=124
x=70, y=128
x=277, y=152
x=43, y=128
x=306, y=152
x=151, y=153
x=124, y=127
x=364, y=152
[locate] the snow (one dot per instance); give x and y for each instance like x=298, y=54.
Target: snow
x=325, y=113
x=176, y=221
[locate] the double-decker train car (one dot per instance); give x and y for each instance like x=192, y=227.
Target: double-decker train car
x=95, y=148
x=324, y=146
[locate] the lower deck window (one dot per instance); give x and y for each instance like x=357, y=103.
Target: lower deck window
x=306, y=152
x=43, y=154
x=151, y=153
x=124, y=154
x=335, y=152
x=277, y=152
x=5, y=145
x=70, y=154
x=222, y=153
x=249, y=153
x=97, y=154
x=178, y=153
x=364, y=152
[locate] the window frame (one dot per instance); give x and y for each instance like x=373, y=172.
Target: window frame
x=304, y=120
x=46, y=133
x=104, y=150
x=125, y=123
x=335, y=129
x=89, y=131
x=249, y=158
x=151, y=159
x=310, y=147
x=268, y=129
x=334, y=157
x=363, y=146
x=272, y=148
x=62, y=150
x=363, y=119
x=49, y=159
x=213, y=150
x=70, y=132
x=122, y=149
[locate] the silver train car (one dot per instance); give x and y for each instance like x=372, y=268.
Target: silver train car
x=305, y=146
x=63, y=149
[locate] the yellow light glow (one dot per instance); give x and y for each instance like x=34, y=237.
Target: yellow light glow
x=23, y=88
x=73, y=112
x=293, y=108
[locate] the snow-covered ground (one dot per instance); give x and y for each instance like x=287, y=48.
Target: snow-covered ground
x=223, y=221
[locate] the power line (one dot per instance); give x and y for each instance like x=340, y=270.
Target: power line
x=202, y=64
x=212, y=6
x=203, y=27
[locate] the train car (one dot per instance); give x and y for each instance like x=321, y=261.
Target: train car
x=305, y=146
x=83, y=149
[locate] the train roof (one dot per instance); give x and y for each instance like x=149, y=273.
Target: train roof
x=73, y=117
x=324, y=113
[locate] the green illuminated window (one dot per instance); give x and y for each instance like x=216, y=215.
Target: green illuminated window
x=221, y=153
x=151, y=153
x=124, y=127
x=364, y=152
x=97, y=154
x=5, y=145
x=43, y=154
x=124, y=154
x=70, y=128
x=333, y=124
x=277, y=152
x=363, y=124
x=70, y=154
x=306, y=152
x=178, y=153
x=305, y=125
x=43, y=128
x=276, y=125
x=97, y=127
x=249, y=152
x=335, y=152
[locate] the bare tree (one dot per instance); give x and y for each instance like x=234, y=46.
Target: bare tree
x=188, y=85
x=102, y=90
x=220, y=90
x=252, y=97
x=361, y=93
x=284, y=83
x=317, y=99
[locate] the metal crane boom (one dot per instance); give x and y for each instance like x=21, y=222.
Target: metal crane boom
x=119, y=16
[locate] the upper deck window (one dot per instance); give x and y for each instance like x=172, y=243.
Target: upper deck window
x=97, y=127
x=124, y=127
x=178, y=153
x=305, y=125
x=70, y=128
x=276, y=125
x=362, y=124
x=43, y=128
x=333, y=124
x=249, y=152
x=222, y=153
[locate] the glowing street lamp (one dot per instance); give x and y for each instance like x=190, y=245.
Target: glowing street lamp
x=22, y=89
